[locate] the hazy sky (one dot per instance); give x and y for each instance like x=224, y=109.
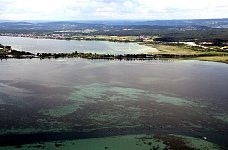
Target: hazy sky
x=112, y=9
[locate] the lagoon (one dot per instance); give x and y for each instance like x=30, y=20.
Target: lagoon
x=65, y=46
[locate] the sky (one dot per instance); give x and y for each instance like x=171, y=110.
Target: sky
x=112, y=9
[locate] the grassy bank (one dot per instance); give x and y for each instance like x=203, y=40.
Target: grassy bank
x=174, y=49
x=186, y=51
x=223, y=59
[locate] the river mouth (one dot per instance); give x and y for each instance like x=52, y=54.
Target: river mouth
x=67, y=99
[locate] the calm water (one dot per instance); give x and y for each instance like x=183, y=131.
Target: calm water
x=77, y=98
x=59, y=46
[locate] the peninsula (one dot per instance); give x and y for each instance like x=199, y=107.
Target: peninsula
x=204, y=39
x=166, y=50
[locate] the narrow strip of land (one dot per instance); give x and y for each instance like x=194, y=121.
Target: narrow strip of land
x=166, y=50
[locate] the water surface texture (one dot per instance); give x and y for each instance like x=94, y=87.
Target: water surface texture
x=66, y=99
x=63, y=46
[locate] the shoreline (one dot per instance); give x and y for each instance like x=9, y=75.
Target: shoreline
x=165, y=50
x=141, y=141
x=23, y=55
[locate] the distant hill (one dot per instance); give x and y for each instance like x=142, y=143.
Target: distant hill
x=74, y=25
x=213, y=23
x=45, y=26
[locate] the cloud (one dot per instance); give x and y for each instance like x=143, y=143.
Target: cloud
x=111, y=9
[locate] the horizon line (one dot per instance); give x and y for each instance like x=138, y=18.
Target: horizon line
x=115, y=19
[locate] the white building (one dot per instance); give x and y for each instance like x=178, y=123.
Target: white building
x=1, y=50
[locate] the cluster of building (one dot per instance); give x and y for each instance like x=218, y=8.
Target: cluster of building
x=39, y=36
x=5, y=49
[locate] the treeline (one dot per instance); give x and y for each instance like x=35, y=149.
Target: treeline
x=172, y=34
x=22, y=54
x=122, y=57
x=94, y=55
x=15, y=52
x=197, y=36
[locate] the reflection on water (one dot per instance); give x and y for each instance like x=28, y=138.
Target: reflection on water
x=77, y=98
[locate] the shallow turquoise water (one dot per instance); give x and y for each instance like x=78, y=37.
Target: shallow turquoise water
x=77, y=98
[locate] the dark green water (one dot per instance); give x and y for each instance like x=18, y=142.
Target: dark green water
x=47, y=100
